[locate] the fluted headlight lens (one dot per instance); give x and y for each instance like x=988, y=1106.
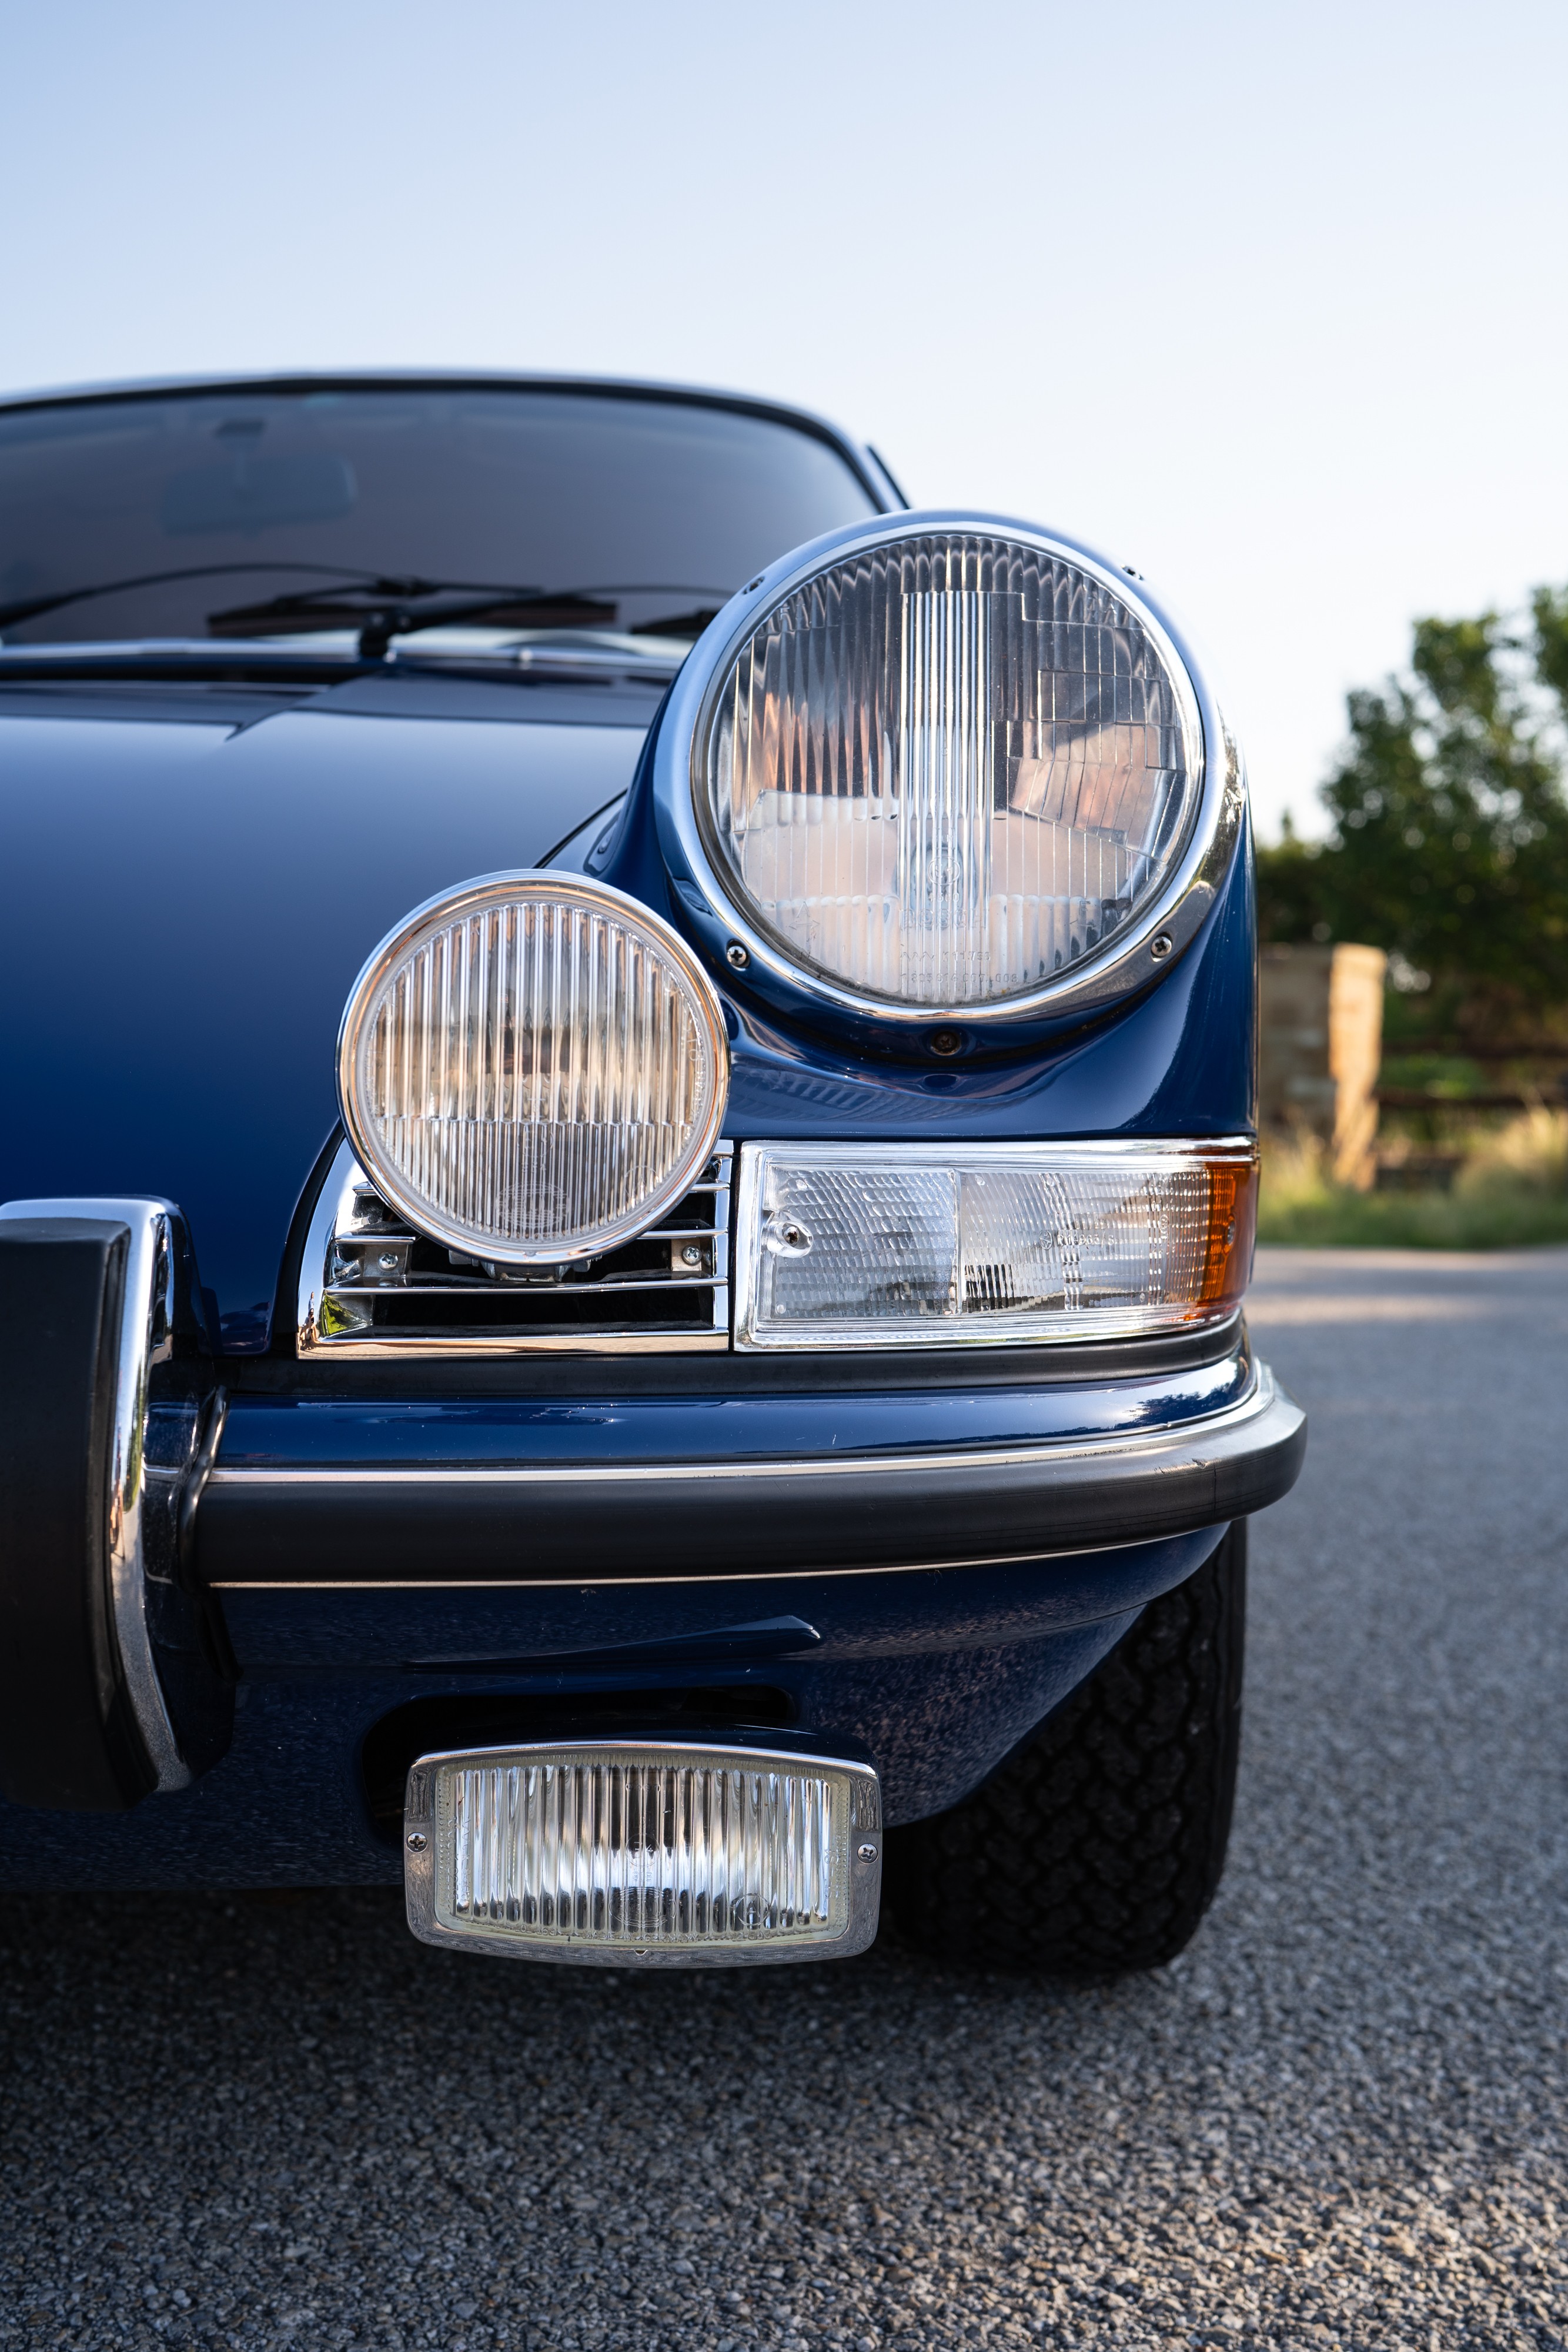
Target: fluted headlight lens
x=532, y=1068
x=946, y=770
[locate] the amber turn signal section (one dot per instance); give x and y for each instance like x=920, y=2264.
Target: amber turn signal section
x=1232, y=1232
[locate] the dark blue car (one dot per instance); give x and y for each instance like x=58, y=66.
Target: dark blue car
x=629, y=1168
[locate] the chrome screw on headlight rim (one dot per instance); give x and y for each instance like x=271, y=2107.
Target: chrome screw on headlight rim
x=532, y=1068
x=947, y=765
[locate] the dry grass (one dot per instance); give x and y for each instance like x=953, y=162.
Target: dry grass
x=1529, y=1155
x=1511, y=1190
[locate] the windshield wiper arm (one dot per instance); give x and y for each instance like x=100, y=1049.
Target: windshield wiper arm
x=384, y=609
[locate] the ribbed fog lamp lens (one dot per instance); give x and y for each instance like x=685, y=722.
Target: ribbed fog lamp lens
x=532, y=1068
x=948, y=769
x=622, y=1852
x=922, y=1245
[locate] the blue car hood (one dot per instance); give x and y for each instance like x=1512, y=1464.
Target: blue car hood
x=187, y=892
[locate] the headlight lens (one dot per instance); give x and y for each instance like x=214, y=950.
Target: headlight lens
x=533, y=1067
x=944, y=771
x=937, y=1246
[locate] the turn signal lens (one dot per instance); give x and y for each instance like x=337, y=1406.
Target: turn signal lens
x=619, y=1852
x=532, y=1068
x=920, y=1246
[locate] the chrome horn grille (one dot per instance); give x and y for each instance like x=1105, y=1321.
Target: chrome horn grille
x=371, y=1286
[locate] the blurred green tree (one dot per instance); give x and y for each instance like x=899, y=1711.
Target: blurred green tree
x=1449, y=842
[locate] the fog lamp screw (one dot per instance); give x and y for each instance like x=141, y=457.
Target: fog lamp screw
x=948, y=1041
x=866, y=1852
x=417, y=1841
x=1161, y=947
x=736, y=957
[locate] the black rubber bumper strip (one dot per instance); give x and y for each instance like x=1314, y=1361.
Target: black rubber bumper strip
x=593, y=1522
x=68, y=1735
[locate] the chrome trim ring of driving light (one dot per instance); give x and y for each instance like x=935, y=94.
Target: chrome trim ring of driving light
x=521, y=993
x=1138, y=950
x=146, y=1321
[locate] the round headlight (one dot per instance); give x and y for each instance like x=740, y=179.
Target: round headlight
x=532, y=1068
x=945, y=769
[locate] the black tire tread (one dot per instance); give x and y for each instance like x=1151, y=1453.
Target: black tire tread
x=1096, y=1848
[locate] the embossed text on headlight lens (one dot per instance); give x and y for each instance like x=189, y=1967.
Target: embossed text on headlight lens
x=532, y=1068
x=948, y=770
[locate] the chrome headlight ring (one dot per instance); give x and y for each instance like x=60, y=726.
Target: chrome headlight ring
x=1137, y=951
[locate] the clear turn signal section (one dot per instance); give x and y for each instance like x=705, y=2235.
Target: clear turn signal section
x=634, y=1853
x=934, y=1245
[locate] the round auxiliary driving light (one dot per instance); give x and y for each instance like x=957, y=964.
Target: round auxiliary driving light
x=947, y=769
x=532, y=1068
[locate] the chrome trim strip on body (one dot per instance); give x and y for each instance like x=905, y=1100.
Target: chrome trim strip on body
x=146, y=1320
x=1149, y=942
x=1177, y=1439
x=422, y=1847
x=553, y=1343
x=728, y=1576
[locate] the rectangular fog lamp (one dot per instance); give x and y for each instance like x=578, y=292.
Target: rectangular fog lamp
x=635, y=1854
x=943, y=1245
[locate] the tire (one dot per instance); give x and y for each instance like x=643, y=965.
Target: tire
x=1096, y=1848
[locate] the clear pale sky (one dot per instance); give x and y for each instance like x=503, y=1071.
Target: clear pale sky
x=1267, y=301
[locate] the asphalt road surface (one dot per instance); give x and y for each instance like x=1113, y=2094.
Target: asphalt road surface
x=1339, y=2119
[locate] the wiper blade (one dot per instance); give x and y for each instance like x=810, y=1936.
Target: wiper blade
x=33, y=608
x=329, y=657
x=378, y=607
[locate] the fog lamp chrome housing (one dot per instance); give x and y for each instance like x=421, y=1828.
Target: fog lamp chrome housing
x=643, y=1854
x=532, y=1068
x=944, y=1245
x=945, y=767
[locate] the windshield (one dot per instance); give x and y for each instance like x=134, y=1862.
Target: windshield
x=242, y=513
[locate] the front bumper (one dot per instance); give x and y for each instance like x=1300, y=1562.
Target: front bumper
x=290, y=1521
x=918, y=1574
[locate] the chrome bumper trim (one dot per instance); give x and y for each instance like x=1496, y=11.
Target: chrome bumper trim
x=1264, y=1397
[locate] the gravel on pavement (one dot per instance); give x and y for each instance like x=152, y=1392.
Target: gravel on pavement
x=1338, y=2120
